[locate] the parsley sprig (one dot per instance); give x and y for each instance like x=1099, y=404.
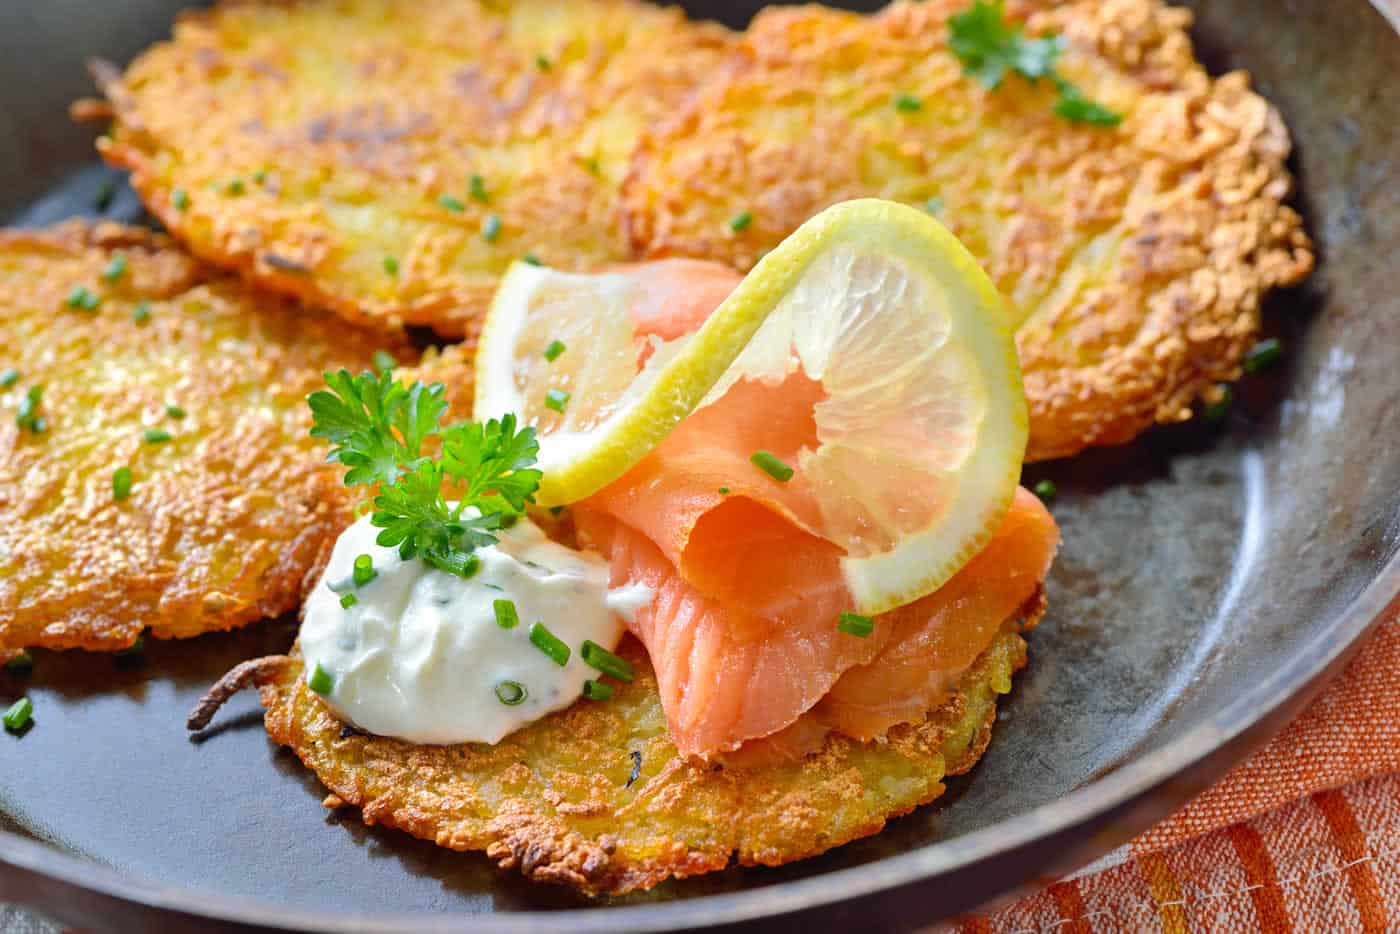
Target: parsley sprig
x=989, y=48
x=378, y=428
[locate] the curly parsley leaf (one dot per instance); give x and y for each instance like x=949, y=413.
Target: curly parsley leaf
x=378, y=428
x=989, y=47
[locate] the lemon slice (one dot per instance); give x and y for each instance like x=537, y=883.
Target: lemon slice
x=923, y=426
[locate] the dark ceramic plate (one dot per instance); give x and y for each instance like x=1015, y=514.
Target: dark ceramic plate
x=1209, y=581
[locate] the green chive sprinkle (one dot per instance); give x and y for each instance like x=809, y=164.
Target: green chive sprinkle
x=591, y=164
x=555, y=348
x=506, y=616
x=363, y=571
x=741, y=221
x=8, y=377
x=597, y=690
x=391, y=265
x=907, y=103
x=156, y=436
x=135, y=649
x=556, y=511
x=384, y=361
x=348, y=600
x=555, y=399
x=598, y=657
x=260, y=176
x=1218, y=409
x=20, y=664
x=1045, y=489
x=116, y=268
x=19, y=714
x=532, y=259
x=180, y=199
x=452, y=204
x=235, y=187
x=491, y=229
x=39, y=425
x=542, y=63
x=175, y=412
x=550, y=644
x=478, y=189
x=141, y=313
x=321, y=681
x=121, y=483
x=933, y=205
x=27, y=416
x=724, y=491
x=854, y=624
x=511, y=693
x=1263, y=355
x=83, y=298
x=769, y=464
x=105, y=192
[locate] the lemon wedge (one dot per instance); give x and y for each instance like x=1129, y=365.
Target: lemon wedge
x=922, y=428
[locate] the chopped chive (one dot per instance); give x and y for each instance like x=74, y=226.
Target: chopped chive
x=105, y=192
x=156, y=436
x=598, y=657
x=591, y=164
x=8, y=377
x=260, y=176
x=116, y=268
x=1218, y=409
x=384, y=361
x=741, y=221
x=455, y=562
x=477, y=186
x=180, y=199
x=491, y=228
x=21, y=663
x=556, y=511
x=19, y=715
x=532, y=259
x=175, y=412
x=321, y=681
x=597, y=690
x=141, y=313
x=907, y=103
x=27, y=415
x=555, y=348
x=550, y=644
x=363, y=571
x=542, y=63
x=136, y=648
x=724, y=491
x=1263, y=355
x=348, y=600
x=933, y=205
x=855, y=625
x=511, y=693
x=555, y=399
x=1045, y=489
x=121, y=483
x=83, y=298
x=235, y=187
x=391, y=265
x=452, y=204
x=506, y=615
x=769, y=464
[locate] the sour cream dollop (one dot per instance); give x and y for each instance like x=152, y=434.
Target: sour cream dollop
x=420, y=656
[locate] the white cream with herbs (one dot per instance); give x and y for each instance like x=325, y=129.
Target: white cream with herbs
x=432, y=657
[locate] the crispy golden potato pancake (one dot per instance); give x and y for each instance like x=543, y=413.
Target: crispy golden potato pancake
x=389, y=160
x=597, y=798
x=146, y=359
x=1138, y=254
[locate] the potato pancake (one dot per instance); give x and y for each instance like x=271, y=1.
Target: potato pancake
x=597, y=798
x=1137, y=254
x=389, y=160
x=155, y=466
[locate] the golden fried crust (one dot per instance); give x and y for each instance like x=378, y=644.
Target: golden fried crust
x=1138, y=254
x=223, y=521
x=313, y=139
x=556, y=800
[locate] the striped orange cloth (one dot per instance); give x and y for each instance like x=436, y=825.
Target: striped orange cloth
x=1304, y=836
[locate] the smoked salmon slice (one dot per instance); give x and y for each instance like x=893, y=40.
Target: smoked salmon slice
x=743, y=629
